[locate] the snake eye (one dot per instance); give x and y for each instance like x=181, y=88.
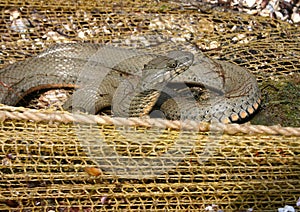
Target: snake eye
x=173, y=64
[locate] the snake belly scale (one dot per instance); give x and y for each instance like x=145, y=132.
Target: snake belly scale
x=98, y=73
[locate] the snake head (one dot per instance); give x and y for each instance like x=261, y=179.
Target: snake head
x=162, y=69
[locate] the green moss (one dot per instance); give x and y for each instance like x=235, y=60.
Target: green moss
x=281, y=103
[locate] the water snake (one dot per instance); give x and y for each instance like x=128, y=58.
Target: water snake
x=98, y=71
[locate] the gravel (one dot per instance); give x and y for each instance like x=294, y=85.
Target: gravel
x=286, y=10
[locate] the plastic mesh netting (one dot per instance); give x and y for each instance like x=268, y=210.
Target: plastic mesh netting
x=52, y=160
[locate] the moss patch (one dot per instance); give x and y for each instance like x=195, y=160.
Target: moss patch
x=281, y=102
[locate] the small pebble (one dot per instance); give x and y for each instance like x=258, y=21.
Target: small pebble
x=104, y=200
x=287, y=208
x=298, y=202
x=296, y=17
x=250, y=3
x=20, y=25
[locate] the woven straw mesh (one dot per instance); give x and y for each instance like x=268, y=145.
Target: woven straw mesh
x=52, y=164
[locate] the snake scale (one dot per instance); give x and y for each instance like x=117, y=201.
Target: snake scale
x=132, y=82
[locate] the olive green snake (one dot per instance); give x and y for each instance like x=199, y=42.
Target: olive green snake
x=132, y=82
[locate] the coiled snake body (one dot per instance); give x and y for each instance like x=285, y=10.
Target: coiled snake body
x=99, y=71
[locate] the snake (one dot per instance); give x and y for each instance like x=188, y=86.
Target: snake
x=135, y=83
x=132, y=82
